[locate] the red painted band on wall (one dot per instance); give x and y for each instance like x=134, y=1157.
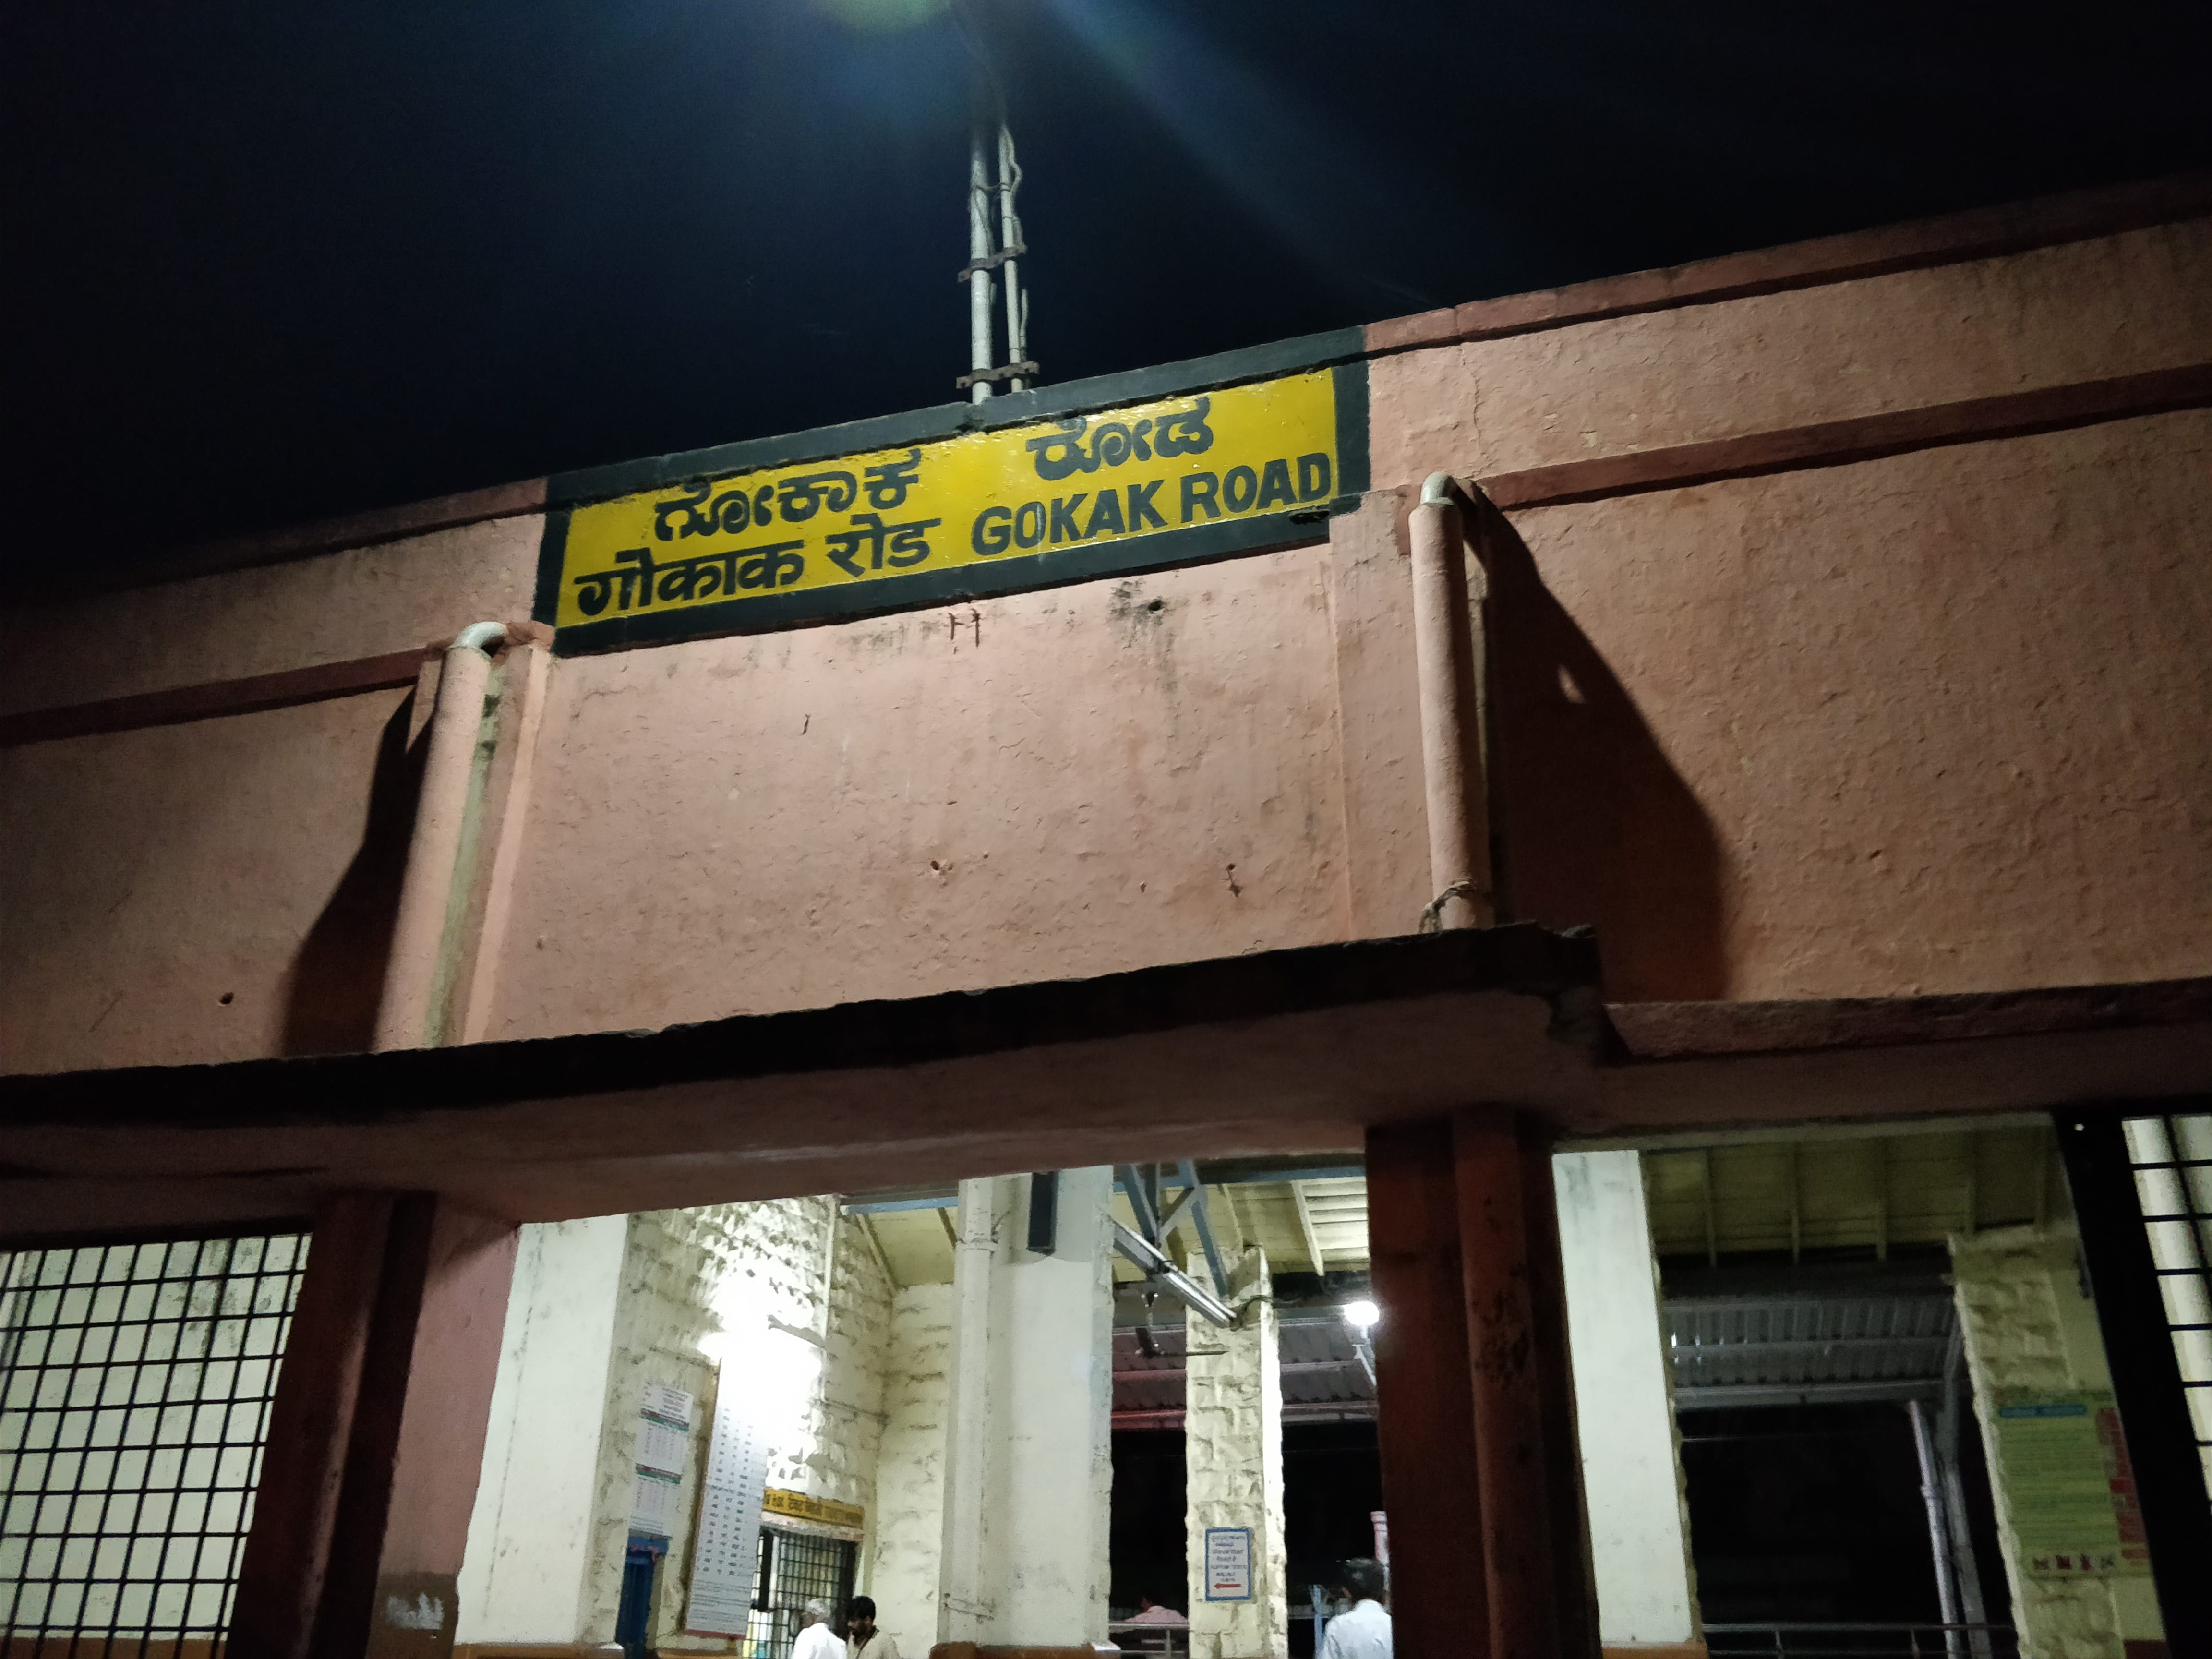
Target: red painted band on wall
x=1921, y=245
x=1835, y=443
x=195, y=702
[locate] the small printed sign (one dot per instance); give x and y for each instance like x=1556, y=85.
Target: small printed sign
x=1228, y=1563
x=656, y=1503
x=661, y=1456
x=670, y=1406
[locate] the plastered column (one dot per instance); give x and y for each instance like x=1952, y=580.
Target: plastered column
x=2030, y=1331
x=1233, y=1461
x=523, y=1577
x=907, y=1533
x=1029, y=1470
x=1624, y=1402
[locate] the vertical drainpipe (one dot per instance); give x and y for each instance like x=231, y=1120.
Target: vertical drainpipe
x=1451, y=761
x=425, y=894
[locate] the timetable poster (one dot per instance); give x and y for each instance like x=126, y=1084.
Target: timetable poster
x=725, y=1547
x=659, y=1456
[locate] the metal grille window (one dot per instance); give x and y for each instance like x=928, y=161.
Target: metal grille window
x=2171, y=1157
x=796, y=1568
x=135, y=1386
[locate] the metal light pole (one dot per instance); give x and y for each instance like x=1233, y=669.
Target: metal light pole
x=979, y=262
x=994, y=238
x=1010, y=244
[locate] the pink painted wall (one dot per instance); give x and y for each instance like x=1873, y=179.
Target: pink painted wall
x=1062, y=783
x=2084, y=310
x=1930, y=723
x=215, y=890
x=365, y=602
x=1915, y=725
x=1922, y=725
x=146, y=875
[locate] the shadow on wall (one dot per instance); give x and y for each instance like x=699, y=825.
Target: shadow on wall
x=330, y=1006
x=1599, y=828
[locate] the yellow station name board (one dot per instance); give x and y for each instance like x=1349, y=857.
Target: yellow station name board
x=824, y=1511
x=981, y=511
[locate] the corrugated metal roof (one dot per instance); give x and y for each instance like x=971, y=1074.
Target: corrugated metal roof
x=1718, y=1343
x=1320, y=1372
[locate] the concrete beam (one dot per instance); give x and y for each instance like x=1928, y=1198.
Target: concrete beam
x=1290, y=1051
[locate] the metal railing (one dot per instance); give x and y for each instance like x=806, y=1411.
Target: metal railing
x=1862, y=1641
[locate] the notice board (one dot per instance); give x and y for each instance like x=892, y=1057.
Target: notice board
x=2064, y=1463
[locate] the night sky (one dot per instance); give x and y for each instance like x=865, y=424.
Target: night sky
x=266, y=262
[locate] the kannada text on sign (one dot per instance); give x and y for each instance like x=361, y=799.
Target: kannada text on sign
x=981, y=498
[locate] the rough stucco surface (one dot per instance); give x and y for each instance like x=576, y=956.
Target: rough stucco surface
x=1922, y=725
x=2084, y=310
x=1927, y=724
x=1070, y=782
x=531, y=1531
x=1028, y=1460
x=364, y=602
x=192, y=893
x=2028, y=1326
x=907, y=1533
x=1630, y=1445
x=1233, y=1469
x=688, y=1274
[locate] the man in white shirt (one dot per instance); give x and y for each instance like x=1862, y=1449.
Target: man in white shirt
x=1364, y=1632
x=815, y=1639
x=867, y=1642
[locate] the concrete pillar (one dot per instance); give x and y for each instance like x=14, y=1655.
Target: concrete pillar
x=530, y=1534
x=1439, y=1590
x=1233, y=1460
x=1624, y=1402
x=2032, y=1341
x=1028, y=1468
x=376, y=1435
x=1489, y=1552
x=287, y=1550
x=907, y=1533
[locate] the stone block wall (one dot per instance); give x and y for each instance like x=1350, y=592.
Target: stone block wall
x=906, y=1527
x=837, y=1454
x=693, y=1279
x=2030, y=1326
x=1233, y=1453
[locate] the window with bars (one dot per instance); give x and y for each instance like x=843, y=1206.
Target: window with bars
x=135, y=1387
x=2171, y=1158
x=796, y=1568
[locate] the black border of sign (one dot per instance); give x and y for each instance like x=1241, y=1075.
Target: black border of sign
x=1265, y=362
x=1131, y=556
